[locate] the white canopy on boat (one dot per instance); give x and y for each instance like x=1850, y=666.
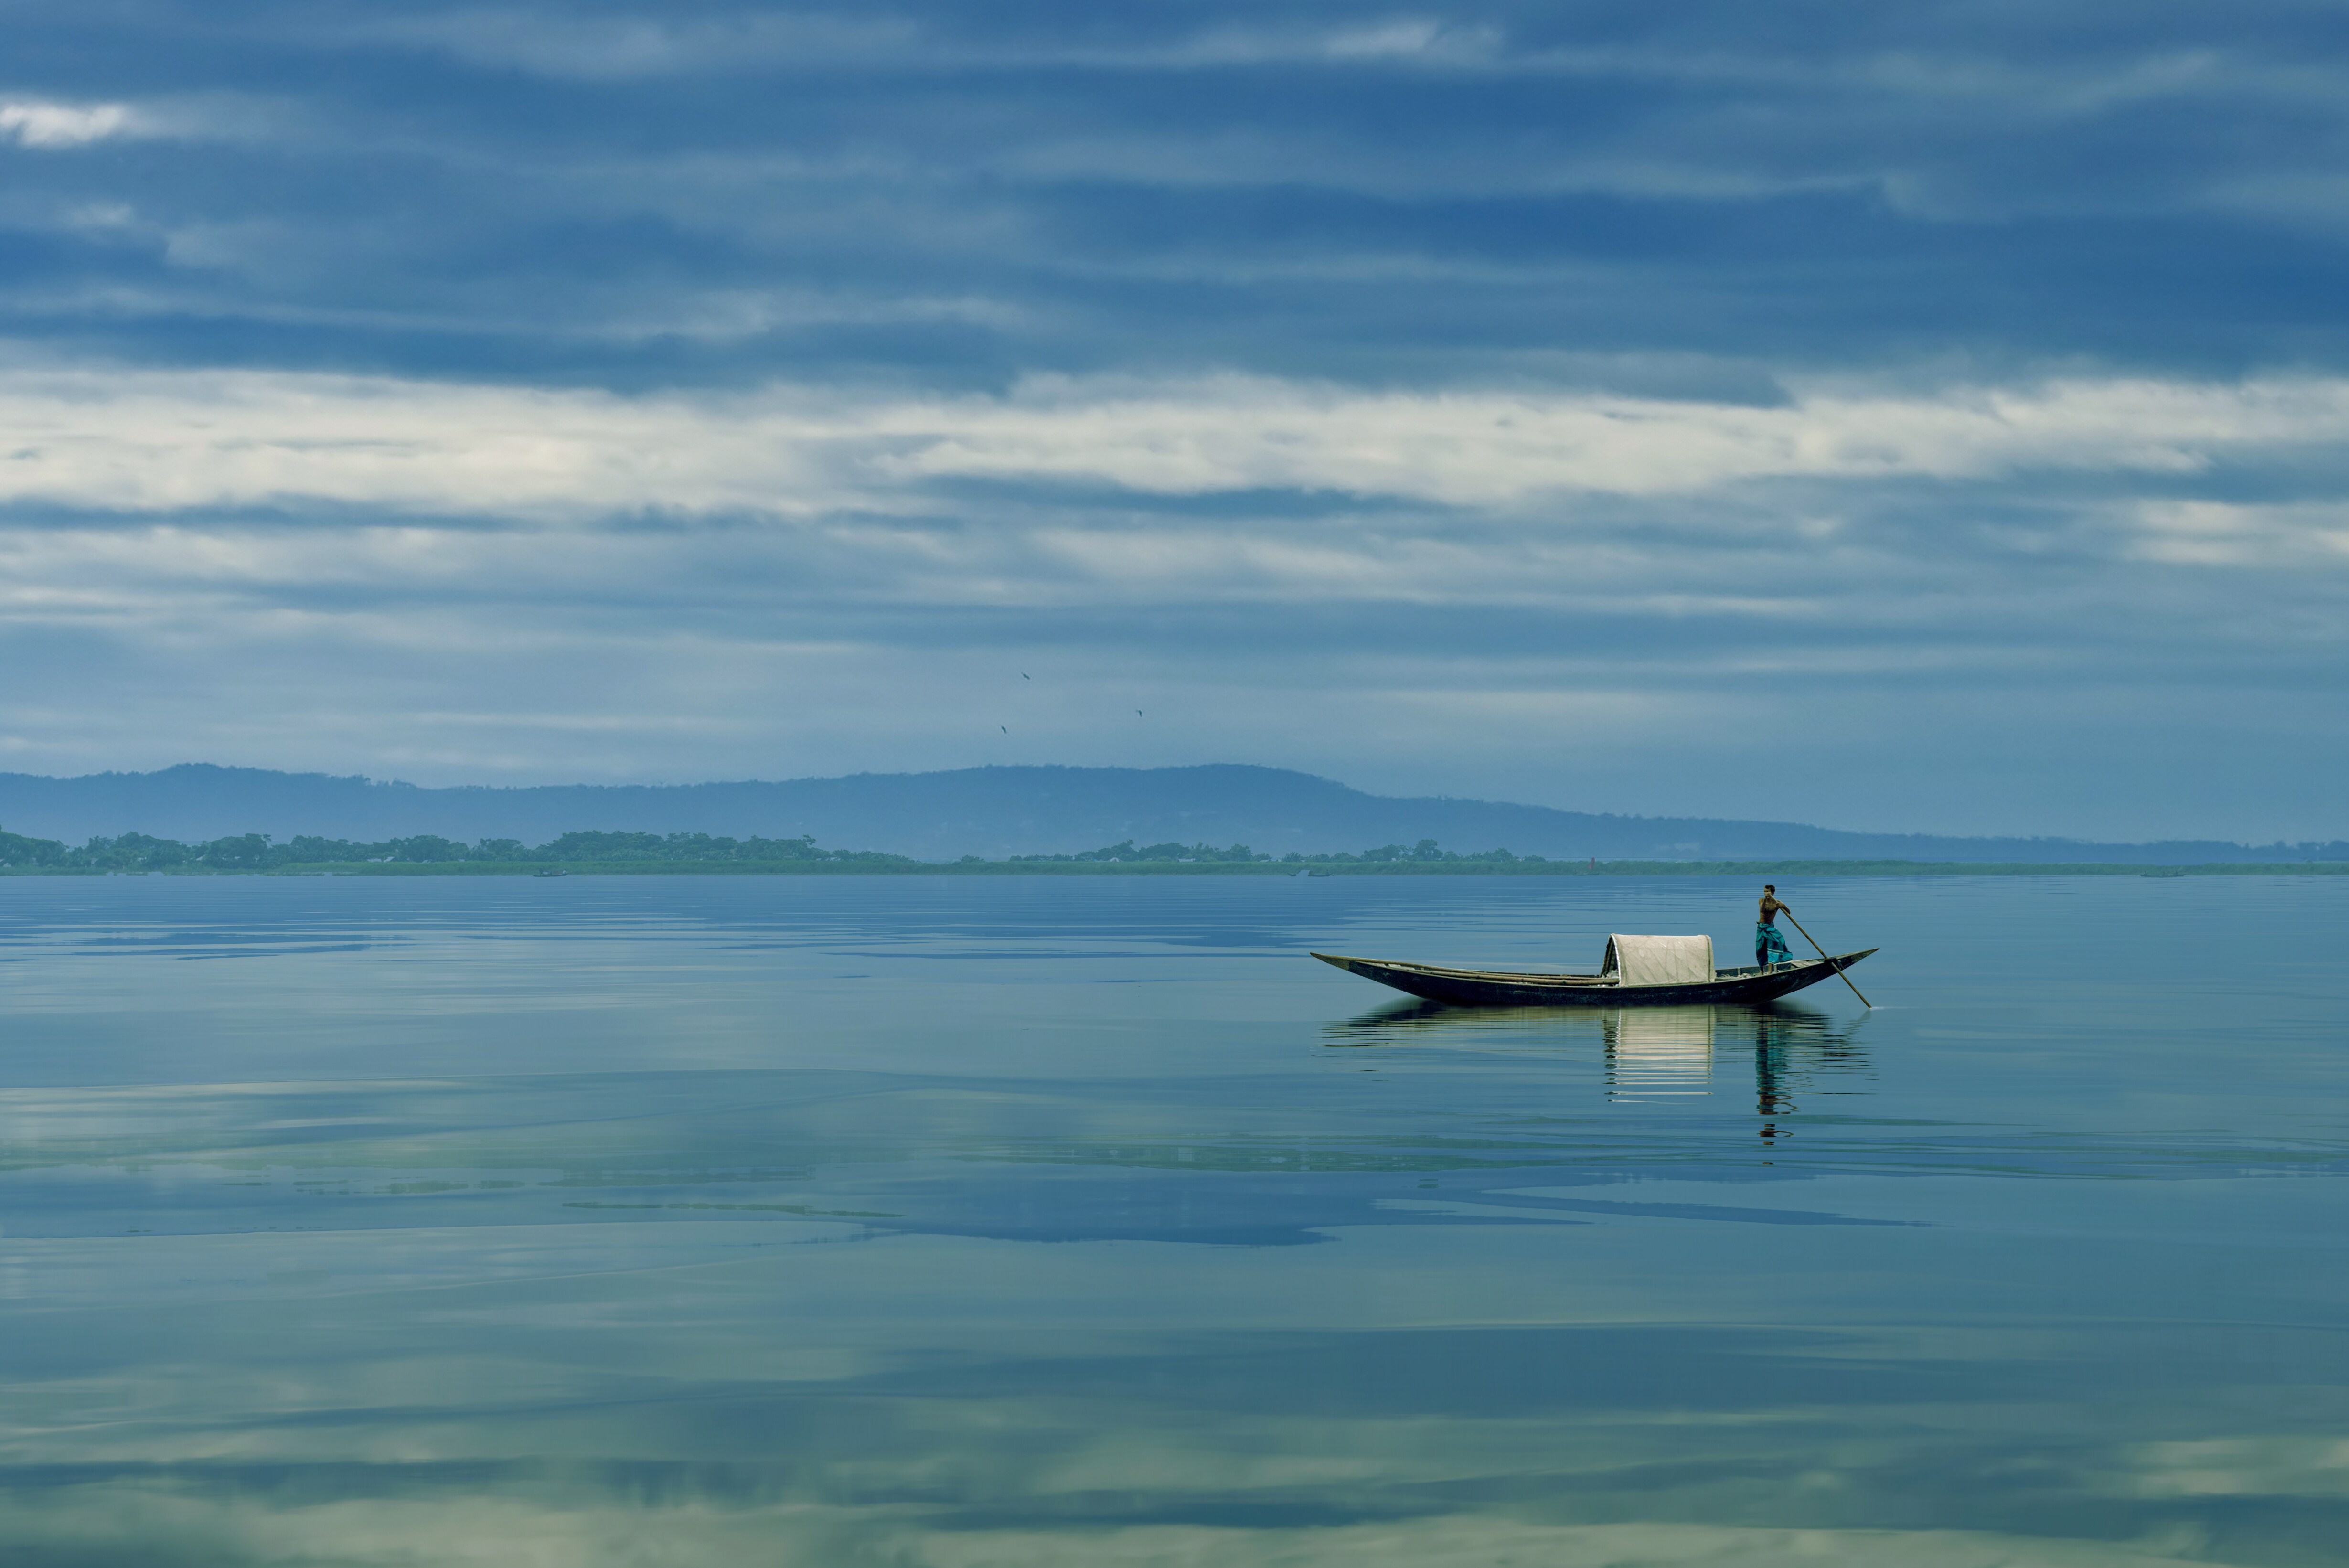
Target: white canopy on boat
x=1659, y=960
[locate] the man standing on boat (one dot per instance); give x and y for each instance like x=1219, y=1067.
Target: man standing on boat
x=1769, y=947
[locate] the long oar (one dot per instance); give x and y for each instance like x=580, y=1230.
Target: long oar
x=1823, y=952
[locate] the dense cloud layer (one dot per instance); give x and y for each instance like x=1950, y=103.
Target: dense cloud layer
x=1921, y=416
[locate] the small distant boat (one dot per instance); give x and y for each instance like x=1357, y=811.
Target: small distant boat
x=557, y=871
x=1638, y=971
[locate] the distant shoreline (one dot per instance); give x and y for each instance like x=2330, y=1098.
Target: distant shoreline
x=1275, y=870
x=1000, y=812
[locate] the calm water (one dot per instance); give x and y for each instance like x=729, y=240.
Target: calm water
x=967, y=1223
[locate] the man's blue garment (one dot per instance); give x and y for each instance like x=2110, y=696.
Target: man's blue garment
x=1769, y=947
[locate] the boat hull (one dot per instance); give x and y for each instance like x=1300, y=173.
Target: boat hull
x=1490, y=988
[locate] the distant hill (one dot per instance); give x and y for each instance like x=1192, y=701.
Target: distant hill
x=989, y=811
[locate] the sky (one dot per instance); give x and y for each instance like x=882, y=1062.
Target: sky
x=1922, y=416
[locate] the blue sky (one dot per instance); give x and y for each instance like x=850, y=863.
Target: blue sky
x=1909, y=417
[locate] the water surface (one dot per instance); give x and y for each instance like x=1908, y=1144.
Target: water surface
x=961, y=1222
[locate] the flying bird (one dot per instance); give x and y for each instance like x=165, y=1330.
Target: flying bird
x=1004, y=728
x=1024, y=675
x=1137, y=713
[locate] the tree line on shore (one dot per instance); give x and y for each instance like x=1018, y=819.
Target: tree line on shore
x=1423, y=852
x=263, y=853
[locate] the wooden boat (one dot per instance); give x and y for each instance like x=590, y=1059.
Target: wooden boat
x=1646, y=986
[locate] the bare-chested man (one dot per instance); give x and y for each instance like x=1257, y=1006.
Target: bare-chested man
x=1769, y=947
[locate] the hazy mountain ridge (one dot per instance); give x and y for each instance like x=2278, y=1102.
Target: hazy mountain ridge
x=989, y=811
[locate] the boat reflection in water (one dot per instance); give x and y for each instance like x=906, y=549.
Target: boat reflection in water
x=1656, y=1056
x=1658, y=1053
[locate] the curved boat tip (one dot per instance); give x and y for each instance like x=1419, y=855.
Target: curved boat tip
x=1331, y=958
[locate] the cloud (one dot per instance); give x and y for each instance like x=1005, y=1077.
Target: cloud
x=623, y=46
x=2308, y=535
x=31, y=123
x=653, y=45
x=169, y=441
x=1473, y=449
x=2263, y=1466
x=566, y=1520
